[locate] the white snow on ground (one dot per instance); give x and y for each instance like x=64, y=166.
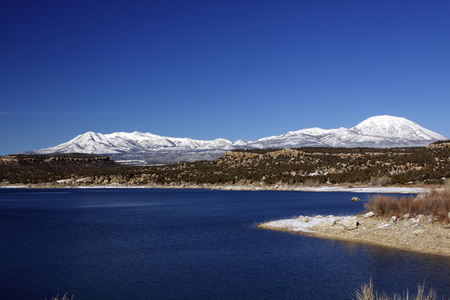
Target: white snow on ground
x=328, y=188
x=400, y=190
x=64, y=181
x=383, y=226
x=296, y=225
x=13, y=187
x=370, y=190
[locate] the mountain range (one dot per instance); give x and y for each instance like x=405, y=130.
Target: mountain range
x=147, y=148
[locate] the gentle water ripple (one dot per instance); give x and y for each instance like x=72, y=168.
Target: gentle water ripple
x=190, y=244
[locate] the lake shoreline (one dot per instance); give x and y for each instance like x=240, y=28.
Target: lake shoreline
x=412, y=234
x=377, y=231
x=397, y=189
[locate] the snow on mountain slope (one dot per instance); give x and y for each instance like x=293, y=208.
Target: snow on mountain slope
x=136, y=142
x=397, y=127
x=379, y=131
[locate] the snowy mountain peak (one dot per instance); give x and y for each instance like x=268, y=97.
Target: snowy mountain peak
x=97, y=137
x=378, y=131
x=395, y=127
x=383, y=124
x=315, y=131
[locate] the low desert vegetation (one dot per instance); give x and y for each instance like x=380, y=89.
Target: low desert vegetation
x=380, y=181
x=367, y=292
x=447, y=183
x=308, y=166
x=435, y=204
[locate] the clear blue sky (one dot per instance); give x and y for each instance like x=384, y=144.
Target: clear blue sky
x=209, y=69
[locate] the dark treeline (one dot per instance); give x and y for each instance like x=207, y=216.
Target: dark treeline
x=39, y=168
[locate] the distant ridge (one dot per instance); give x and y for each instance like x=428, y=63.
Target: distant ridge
x=147, y=148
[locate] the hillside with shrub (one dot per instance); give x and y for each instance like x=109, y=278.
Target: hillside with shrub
x=51, y=167
x=300, y=166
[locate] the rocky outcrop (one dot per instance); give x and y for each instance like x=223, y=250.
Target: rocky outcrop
x=286, y=152
x=369, y=214
x=303, y=219
x=350, y=223
x=439, y=144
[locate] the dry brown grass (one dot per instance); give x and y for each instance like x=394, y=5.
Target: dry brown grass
x=380, y=181
x=447, y=183
x=435, y=204
x=368, y=293
x=63, y=297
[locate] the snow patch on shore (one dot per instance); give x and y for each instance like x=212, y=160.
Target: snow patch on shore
x=400, y=190
x=298, y=225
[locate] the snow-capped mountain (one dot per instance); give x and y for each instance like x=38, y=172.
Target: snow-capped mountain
x=141, y=148
x=135, y=142
x=376, y=132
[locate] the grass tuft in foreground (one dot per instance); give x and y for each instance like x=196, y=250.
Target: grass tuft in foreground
x=368, y=293
x=63, y=297
x=435, y=204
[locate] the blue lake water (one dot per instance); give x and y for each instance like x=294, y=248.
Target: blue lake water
x=190, y=244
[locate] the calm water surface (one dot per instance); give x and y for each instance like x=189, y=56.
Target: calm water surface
x=190, y=244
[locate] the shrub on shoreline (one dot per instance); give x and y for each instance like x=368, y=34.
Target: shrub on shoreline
x=64, y=297
x=380, y=181
x=447, y=183
x=367, y=293
x=435, y=204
